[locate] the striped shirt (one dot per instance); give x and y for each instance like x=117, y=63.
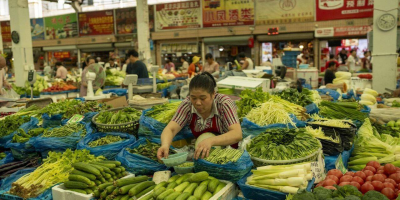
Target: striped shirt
x=224, y=109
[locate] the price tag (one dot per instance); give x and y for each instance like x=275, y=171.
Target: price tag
x=339, y=164
x=318, y=168
x=75, y=119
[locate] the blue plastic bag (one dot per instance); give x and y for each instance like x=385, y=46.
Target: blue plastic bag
x=58, y=144
x=230, y=171
x=335, y=95
x=157, y=128
x=252, y=129
x=109, y=151
x=119, y=92
x=331, y=160
x=28, y=125
x=20, y=151
x=138, y=164
x=9, y=158
x=51, y=121
x=312, y=109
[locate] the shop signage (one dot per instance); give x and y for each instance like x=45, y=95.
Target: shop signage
x=62, y=54
x=5, y=31
x=343, y=9
x=342, y=31
x=37, y=29
x=59, y=27
x=96, y=23
x=217, y=13
x=126, y=21
x=178, y=15
x=283, y=12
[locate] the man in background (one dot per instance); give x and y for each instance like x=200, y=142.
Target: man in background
x=248, y=63
x=136, y=66
x=330, y=73
x=331, y=59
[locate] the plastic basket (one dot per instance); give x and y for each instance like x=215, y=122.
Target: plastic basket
x=184, y=170
x=129, y=127
x=175, y=159
x=261, y=162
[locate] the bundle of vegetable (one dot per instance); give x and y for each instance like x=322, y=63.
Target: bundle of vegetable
x=318, y=133
x=11, y=123
x=164, y=113
x=283, y=178
x=188, y=186
x=148, y=150
x=31, y=111
x=250, y=99
x=109, y=139
x=38, y=87
x=9, y=168
x=122, y=116
x=342, y=110
x=396, y=104
x=270, y=113
x=21, y=136
x=392, y=128
x=283, y=144
x=292, y=95
x=85, y=107
x=114, y=77
x=86, y=178
x=223, y=156
x=65, y=131
x=55, y=169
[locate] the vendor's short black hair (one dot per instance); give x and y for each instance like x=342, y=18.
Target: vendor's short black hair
x=133, y=53
x=242, y=55
x=209, y=55
x=332, y=64
x=58, y=64
x=203, y=81
x=331, y=56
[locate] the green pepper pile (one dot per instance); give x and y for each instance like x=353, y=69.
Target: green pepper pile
x=21, y=136
x=66, y=130
x=125, y=115
x=148, y=150
x=109, y=139
x=11, y=123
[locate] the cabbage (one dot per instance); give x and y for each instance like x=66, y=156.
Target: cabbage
x=114, y=77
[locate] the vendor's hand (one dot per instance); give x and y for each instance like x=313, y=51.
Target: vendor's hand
x=203, y=149
x=163, y=152
x=396, y=93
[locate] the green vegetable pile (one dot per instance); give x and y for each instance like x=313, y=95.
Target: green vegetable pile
x=390, y=130
x=164, y=113
x=125, y=115
x=2, y=155
x=66, y=130
x=186, y=164
x=38, y=86
x=148, y=150
x=292, y=95
x=21, y=136
x=396, y=104
x=283, y=144
x=85, y=107
x=342, y=110
x=250, y=99
x=114, y=77
x=11, y=123
x=109, y=139
x=60, y=107
x=161, y=86
x=223, y=156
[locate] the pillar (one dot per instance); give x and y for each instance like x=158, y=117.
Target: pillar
x=1, y=43
x=22, y=51
x=316, y=53
x=143, y=32
x=384, y=48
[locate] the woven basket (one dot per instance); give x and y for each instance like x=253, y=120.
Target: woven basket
x=129, y=127
x=262, y=162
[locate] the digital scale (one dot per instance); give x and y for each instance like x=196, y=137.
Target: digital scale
x=139, y=89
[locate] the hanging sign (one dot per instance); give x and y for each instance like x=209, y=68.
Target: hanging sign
x=344, y=9
x=37, y=29
x=217, y=13
x=342, y=31
x=126, y=20
x=96, y=23
x=178, y=15
x=62, y=26
x=5, y=31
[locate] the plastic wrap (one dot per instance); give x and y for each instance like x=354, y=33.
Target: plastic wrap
x=334, y=94
x=109, y=151
x=230, y=171
x=138, y=164
x=312, y=108
x=20, y=151
x=51, y=121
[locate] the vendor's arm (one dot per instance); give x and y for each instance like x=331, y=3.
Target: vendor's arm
x=245, y=65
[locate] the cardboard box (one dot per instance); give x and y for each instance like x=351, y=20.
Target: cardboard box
x=115, y=102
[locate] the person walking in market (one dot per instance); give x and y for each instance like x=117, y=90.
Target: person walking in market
x=205, y=111
x=211, y=66
x=169, y=65
x=330, y=73
x=195, y=67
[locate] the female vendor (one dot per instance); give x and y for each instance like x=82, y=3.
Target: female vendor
x=205, y=111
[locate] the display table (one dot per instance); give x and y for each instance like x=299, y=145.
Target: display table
x=60, y=95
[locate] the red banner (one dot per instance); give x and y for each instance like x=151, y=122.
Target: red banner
x=62, y=54
x=344, y=9
x=5, y=31
x=96, y=23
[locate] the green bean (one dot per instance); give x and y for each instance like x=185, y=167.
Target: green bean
x=105, y=140
x=66, y=130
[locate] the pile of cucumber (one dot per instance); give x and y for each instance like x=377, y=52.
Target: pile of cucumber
x=198, y=186
x=86, y=178
x=125, y=188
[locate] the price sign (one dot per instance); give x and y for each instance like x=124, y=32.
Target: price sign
x=75, y=119
x=318, y=168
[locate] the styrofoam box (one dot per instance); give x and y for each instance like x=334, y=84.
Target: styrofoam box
x=61, y=193
x=227, y=193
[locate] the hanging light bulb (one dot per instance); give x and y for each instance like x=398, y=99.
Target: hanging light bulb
x=221, y=48
x=301, y=46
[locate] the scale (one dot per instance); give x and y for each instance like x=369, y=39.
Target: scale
x=139, y=89
x=90, y=76
x=242, y=83
x=130, y=80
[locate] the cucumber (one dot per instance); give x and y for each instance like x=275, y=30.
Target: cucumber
x=78, y=190
x=213, y=185
x=119, y=175
x=103, y=180
x=163, y=195
x=114, y=177
x=126, y=197
x=105, y=169
x=79, y=178
x=183, y=196
x=128, y=181
x=86, y=168
x=172, y=185
x=116, y=163
x=97, y=182
x=110, y=189
x=173, y=196
x=104, y=186
x=190, y=189
x=183, y=178
x=108, y=165
x=92, y=184
x=115, y=192
x=206, y=182
x=117, y=170
x=173, y=179
x=125, y=189
x=198, y=177
x=88, y=191
x=104, y=194
x=97, y=167
x=140, y=187
x=110, y=180
x=159, y=191
x=122, y=168
x=107, y=176
x=192, y=198
x=162, y=184
x=118, y=197
x=145, y=191
x=206, y=196
x=147, y=197
x=87, y=175
x=198, y=193
x=181, y=187
x=96, y=193
x=220, y=186
x=75, y=185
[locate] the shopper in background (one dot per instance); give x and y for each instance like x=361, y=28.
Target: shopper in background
x=248, y=63
x=185, y=65
x=111, y=64
x=330, y=72
x=351, y=61
x=124, y=67
x=331, y=59
x=3, y=81
x=211, y=66
x=136, y=66
x=343, y=56
x=47, y=69
x=169, y=65
x=61, y=71
x=366, y=61
x=195, y=67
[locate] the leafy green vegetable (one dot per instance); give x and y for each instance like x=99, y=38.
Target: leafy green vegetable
x=85, y=107
x=11, y=123
x=164, y=113
x=2, y=155
x=148, y=150
x=109, y=139
x=21, y=136
x=250, y=99
x=347, y=190
x=292, y=95
x=114, y=77
x=125, y=115
x=395, y=104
